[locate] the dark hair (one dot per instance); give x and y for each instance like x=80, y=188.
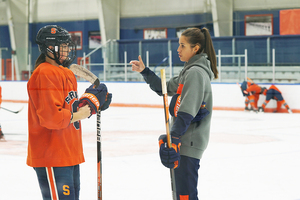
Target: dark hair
x=39, y=60
x=201, y=37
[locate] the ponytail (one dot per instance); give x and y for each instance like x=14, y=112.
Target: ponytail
x=39, y=60
x=202, y=38
x=210, y=51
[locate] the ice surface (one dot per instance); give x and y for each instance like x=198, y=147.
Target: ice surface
x=250, y=157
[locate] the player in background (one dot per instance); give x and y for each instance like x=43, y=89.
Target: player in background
x=252, y=92
x=1, y=133
x=54, y=113
x=243, y=87
x=274, y=93
x=190, y=107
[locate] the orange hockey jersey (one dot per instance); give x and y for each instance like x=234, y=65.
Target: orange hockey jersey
x=254, y=89
x=52, y=140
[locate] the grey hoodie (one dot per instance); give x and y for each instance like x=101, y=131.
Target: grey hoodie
x=195, y=78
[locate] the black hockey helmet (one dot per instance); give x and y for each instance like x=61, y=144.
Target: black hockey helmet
x=53, y=35
x=264, y=91
x=244, y=87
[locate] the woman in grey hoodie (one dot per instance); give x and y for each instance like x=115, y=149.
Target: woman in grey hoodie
x=190, y=107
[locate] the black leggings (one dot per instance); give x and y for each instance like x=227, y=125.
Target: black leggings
x=186, y=178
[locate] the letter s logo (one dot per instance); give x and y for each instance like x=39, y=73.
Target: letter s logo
x=66, y=190
x=53, y=30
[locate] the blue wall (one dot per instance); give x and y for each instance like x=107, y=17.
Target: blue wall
x=132, y=28
x=239, y=23
x=5, y=42
x=131, y=32
x=287, y=49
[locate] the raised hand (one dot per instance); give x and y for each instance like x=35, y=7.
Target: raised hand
x=137, y=65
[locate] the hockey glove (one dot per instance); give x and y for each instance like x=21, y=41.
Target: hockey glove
x=94, y=97
x=107, y=102
x=203, y=112
x=170, y=157
x=175, y=104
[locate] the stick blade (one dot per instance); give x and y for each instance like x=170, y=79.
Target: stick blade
x=85, y=73
x=19, y=110
x=15, y=112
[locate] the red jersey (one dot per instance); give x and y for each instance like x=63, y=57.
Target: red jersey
x=52, y=140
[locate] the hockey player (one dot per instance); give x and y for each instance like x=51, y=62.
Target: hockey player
x=243, y=87
x=252, y=92
x=1, y=133
x=54, y=113
x=191, y=108
x=274, y=93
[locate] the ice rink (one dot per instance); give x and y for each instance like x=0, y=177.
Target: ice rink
x=250, y=157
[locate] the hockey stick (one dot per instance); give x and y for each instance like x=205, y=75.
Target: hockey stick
x=169, y=142
x=92, y=78
x=85, y=73
x=16, y=112
x=250, y=80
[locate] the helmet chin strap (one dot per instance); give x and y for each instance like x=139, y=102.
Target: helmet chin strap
x=67, y=62
x=56, y=59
